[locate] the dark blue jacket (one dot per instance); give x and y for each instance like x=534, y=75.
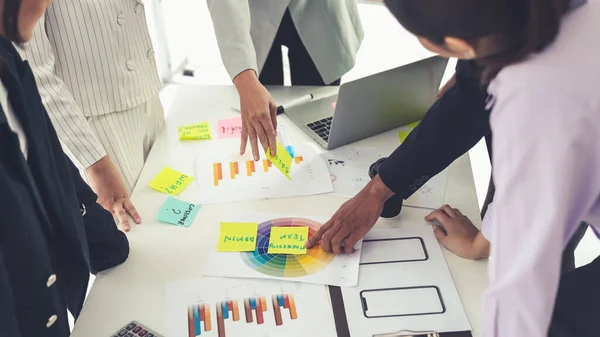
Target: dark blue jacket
x=451, y=127
x=42, y=231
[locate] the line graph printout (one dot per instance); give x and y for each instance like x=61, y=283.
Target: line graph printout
x=217, y=307
x=223, y=176
x=316, y=266
x=349, y=171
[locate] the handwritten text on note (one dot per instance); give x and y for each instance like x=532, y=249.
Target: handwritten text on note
x=288, y=240
x=229, y=128
x=170, y=181
x=237, y=237
x=282, y=160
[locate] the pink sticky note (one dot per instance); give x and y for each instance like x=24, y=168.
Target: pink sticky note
x=229, y=128
x=333, y=105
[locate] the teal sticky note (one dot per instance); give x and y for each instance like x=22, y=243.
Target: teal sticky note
x=178, y=212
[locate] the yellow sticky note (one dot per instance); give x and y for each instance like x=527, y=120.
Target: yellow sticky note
x=412, y=125
x=170, y=181
x=402, y=135
x=288, y=240
x=282, y=160
x=237, y=237
x=195, y=131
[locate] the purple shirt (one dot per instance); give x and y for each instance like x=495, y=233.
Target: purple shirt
x=546, y=126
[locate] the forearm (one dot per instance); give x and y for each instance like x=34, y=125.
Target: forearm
x=231, y=21
x=452, y=126
x=67, y=118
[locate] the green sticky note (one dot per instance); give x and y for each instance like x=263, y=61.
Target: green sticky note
x=170, y=181
x=195, y=131
x=177, y=212
x=237, y=237
x=288, y=240
x=282, y=160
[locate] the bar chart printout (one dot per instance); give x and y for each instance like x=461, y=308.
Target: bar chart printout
x=224, y=177
x=200, y=320
x=226, y=307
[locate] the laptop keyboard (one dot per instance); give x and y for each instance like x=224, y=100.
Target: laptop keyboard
x=322, y=127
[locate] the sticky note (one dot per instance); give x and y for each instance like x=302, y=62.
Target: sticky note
x=237, y=237
x=333, y=105
x=229, y=128
x=402, y=135
x=282, y=160
x=170, y=181
x=195, y=131
x=177, y=212
x=288, y=240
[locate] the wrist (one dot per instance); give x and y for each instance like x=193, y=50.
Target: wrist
x=378, y=190
x=480, y=248
x=246, y=79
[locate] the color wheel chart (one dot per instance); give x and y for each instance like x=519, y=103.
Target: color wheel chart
x=255, y=309
x=284, y=265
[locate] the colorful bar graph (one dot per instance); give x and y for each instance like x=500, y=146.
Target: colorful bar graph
x=230, y=310
x=207, y=321
x=248, y=310
x=250, y=168
x=234, y=169
x=191, y=322
x=226, y=310
x=285, y=301
x=293, y=312
x=260, y=318
x=266, y=165
x=277, y=311
x=217, y=173
x=220, y=320
x=198, y=313
x=298, y=159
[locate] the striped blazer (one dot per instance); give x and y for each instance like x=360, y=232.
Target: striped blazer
x=91, y=58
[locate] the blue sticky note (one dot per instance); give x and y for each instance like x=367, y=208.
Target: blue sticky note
x=178, y=212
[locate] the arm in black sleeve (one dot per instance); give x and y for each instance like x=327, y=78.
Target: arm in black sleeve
x=452, y=126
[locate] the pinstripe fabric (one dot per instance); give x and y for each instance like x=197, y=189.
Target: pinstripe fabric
x=91, y=58
x=128, y=136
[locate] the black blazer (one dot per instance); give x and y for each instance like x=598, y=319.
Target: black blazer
x=41, y=228
x=452, y=126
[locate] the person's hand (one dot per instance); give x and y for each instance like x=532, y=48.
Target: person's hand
x=259, y=114
x=112, y=194
x=459, y=234
x=451, y=82
x=353, y=220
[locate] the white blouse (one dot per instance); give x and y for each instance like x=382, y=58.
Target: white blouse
x=13, y=121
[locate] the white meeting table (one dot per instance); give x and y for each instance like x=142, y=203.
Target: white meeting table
x=162, y=253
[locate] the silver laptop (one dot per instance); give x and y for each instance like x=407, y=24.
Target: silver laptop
x=371, y=105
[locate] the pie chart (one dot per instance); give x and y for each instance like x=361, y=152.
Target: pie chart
x=285, y=265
